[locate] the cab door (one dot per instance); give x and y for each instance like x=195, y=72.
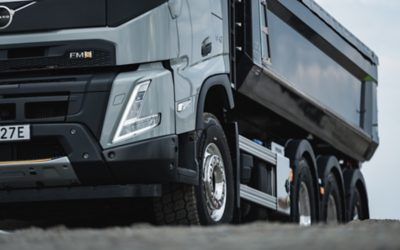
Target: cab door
x=202, y=29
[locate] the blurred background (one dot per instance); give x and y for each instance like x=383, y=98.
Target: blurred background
x=377, y=24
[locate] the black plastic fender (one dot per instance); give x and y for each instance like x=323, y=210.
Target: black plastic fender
x=295, y=150
x=217, y=80
x=327, y=165
x=189, y=167
x=352, y=178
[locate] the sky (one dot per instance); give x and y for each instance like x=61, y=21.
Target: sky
x=377, y=24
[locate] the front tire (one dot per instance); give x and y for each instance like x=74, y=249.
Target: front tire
x=212, y=201
x=215, y=194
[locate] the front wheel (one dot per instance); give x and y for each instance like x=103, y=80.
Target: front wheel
x=215, y=194
x=212, y=201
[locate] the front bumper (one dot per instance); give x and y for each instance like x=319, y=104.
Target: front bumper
x=151, y=161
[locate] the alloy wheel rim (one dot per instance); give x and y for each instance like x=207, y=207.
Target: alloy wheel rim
x=331, y=216
x=214, y=181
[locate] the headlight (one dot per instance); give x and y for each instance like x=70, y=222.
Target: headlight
x=132, y=124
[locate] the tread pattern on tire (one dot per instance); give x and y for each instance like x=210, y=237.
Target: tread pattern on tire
x=178, y=206
x=332, y=188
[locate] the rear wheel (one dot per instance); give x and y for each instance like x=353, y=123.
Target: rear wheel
x=212, y=201
x=302, y=195
x=357, y=199
x=357, y=207
x=331, y=201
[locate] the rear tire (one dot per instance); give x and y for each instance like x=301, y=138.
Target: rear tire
x=212, y=201
x=303, y=205
x=357, y=207
x=357, y=198
x=331, y=201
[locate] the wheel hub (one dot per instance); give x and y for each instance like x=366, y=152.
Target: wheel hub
x=214, y=181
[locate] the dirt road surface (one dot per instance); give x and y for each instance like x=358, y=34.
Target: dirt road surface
x=356, y=235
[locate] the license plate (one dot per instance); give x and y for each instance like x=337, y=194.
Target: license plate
x=15, y=133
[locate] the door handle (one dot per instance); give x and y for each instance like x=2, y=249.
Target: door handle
x=206, y=47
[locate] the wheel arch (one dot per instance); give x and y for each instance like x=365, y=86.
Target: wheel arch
x=215, y=89
x=215, y=84
x=354, y=179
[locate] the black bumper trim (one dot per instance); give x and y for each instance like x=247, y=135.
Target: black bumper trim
x=150, y=161
x=153, y=161
x=146, y=162
x=80, y=193
x=81, y=148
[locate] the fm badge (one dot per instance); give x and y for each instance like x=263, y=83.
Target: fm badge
x=81, y=55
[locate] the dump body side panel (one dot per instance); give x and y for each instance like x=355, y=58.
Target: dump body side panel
x=308, y=73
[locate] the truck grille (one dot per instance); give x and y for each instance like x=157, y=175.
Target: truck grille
x=100, y=59
x=57, y=55
x=43, y=110
x=31, y=109
x=7, y=112
x=36, y=149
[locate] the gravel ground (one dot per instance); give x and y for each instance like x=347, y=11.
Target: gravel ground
x=356, y=235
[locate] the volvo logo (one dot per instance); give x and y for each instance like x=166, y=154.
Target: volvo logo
x=7, y=14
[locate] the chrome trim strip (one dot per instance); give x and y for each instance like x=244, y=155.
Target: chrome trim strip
x=43, y=163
